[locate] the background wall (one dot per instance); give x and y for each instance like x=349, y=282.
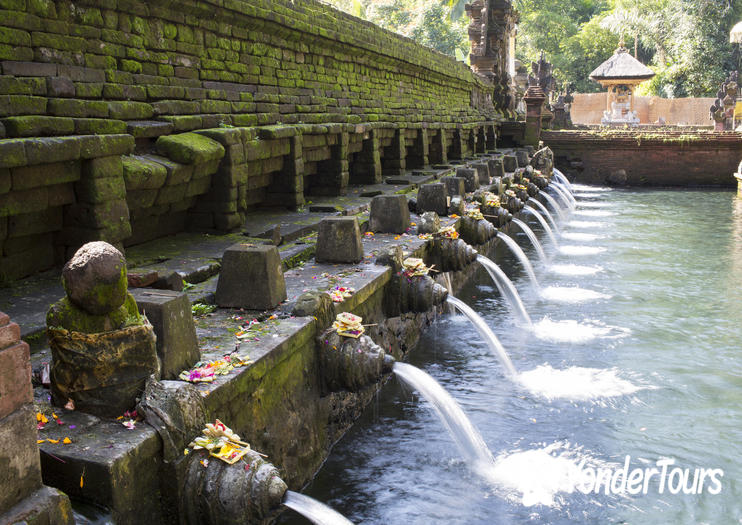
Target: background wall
x=588, y=109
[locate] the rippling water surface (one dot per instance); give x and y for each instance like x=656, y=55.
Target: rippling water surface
x=647, y=365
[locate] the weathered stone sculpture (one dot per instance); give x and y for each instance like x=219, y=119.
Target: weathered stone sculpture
x=103, y=351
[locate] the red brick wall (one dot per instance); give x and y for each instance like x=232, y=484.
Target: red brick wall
x=649, y=158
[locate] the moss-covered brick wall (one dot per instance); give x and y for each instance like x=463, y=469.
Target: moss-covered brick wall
x=90, y=66
x=225, y=105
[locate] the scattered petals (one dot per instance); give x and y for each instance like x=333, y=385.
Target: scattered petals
x=66, y=441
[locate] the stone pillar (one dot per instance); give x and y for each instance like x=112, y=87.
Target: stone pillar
x=457, y=146
x=439, y=148
x=366, y=168
x=333, y=175
x=418, y=155
x=24, y=498
x=394, y=159
x=287, y=186
x=534, y=99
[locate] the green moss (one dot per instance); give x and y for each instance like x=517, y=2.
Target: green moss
x=64, y=314
x=189, y=148
x=130, y=66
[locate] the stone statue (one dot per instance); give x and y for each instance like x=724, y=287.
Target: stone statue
x=103, y=350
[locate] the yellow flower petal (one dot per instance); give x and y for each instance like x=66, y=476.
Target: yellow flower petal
x=66, y=441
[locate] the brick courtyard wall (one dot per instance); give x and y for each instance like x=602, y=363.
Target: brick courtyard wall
x=649, y=158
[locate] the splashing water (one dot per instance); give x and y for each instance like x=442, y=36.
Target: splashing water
x=585, y=224
x=543, y=223
x=588, y=189
x=554, y=204
x=571, y=294
x=589, y=195
x=571, y=331
x=545, y=212
x=577, y=383
x=595, y=204
x=574, y=269
x=538, y=476
x=522, y=257
x=486, y=333
x=531, y=237
x=587, y=237
x=463, y=432
x=581, y=250
x=316, y=512
x=505, y=287
x=594, y=213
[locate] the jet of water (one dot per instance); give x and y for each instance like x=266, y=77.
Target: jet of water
x=558, y=175
x=522, y=257
x=531, y=237
x=316, y=512
x=506, y=288
x=464, y=433
x=564, y=195
x=486, y=333
x=545, y=212
x=554, y=204
x=543, y=223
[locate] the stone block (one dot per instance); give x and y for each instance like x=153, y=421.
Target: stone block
x=15, y=374
x=429, y=222
x=189, y=148
x=20, y=474
x=59, y=87
x=483, y=172
x=251, y=278
x=496, y=167
x=510, y=163
x=46, y=505
x=433, y=197
x=454, y=185
x=521, y=156
x=389, y=214
x=27, y=177
x=470, y=176
x=170, y=315
x=339, y=240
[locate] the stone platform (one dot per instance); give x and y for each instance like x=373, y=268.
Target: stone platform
x=278, y=402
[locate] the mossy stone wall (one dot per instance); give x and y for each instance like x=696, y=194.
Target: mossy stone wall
x=289, y=98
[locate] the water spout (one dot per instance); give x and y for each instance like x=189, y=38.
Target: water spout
x=522, y=257
x=543, y=223
x=506, y=288
x=531, y=237
x=554, y=204
x=486, y=333
x=465, y=434
x=546, y=212
x=316, y=512
x=558, y=175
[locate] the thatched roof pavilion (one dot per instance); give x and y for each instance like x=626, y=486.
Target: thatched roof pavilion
x=621, y=74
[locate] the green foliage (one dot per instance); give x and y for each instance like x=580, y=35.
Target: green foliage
x=684, y=41
x=199, y=309
x=428, y=23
